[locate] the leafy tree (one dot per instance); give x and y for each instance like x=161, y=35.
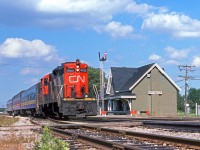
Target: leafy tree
x=48, y=142
x=180, y=103
x=193, y=98
x=94, y=78
x=2, y=109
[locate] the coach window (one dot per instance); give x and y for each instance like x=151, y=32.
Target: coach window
x=70, y=70
x=34, y=96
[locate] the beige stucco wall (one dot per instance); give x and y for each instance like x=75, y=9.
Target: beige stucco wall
x=159, y=105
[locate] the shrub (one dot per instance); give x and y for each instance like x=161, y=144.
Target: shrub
x=48, y=142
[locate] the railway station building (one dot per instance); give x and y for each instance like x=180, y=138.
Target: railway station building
x=147, y=89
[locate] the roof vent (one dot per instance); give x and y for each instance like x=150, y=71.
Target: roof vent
x=148, y=75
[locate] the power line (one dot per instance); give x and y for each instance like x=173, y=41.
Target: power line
x=24, y=66
x=186, y=68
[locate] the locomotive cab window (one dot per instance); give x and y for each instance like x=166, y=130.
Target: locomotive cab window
x=45, y=81
x=83, y=70
x=70, y=70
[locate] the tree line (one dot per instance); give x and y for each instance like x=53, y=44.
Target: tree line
x=192, y=98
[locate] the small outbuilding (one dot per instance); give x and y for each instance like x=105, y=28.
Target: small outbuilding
x=147, y=89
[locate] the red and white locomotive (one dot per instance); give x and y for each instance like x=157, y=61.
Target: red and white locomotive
x=64, y=92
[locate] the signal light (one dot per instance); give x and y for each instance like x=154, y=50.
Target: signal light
x=77, y=62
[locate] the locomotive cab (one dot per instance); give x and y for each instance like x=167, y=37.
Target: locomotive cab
x=64, y=92
x=75, y=80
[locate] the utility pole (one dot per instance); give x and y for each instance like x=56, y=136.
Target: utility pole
x=186, y=68
x=102, y=60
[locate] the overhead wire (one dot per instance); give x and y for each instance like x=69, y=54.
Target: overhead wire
x=17, y=65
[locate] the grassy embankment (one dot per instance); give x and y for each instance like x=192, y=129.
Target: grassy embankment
x=7, y=121
x=14, y=139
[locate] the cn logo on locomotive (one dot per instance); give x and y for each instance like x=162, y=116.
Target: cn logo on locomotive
x=76, y=79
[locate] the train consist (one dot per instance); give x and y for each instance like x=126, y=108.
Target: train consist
x=64, y=92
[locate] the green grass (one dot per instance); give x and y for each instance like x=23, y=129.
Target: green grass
x=188, y=115
x=7, y=121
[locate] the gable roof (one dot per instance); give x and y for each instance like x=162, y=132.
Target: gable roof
x=125, y=79
x=161, y=70
x=136, y=76
x=120, y=75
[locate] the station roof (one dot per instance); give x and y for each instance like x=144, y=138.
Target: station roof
x=125, y=79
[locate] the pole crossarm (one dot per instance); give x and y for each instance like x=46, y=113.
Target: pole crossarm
x=186, y=68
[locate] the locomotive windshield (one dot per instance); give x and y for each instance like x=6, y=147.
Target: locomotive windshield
x=70, y=70
x=83, y=70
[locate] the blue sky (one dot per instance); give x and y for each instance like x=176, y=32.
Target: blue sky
x=37, y=35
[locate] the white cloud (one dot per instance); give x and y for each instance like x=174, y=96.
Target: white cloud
x=177, y=54
x=82, y=6
x=67, y=13
x=177, y=25
x=18, y=48
x=116, y=29
x=138, y=8
x=30, y=71
x=34, y=56
x=32, y=81
x=155, y=57
x=171, y=62
x=196, y=61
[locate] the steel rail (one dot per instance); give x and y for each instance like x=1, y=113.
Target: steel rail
x=193, y=143
x=96, y=141
x=183, y=142
x=174, y=124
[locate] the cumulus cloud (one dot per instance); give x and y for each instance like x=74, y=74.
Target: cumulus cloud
x=155, y=57
x=32, y=81
x=29, y=70
x=34, y=56
x=171, y=62
x=18, y=48
x=139, y=8
x=81, y=6
x=116, y=29
x=177, y=25
x=53, y=13
x=196, y=61
x=66, y=13
x=172, y=56
x=177, y=54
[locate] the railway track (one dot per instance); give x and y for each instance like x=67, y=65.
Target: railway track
x=22, y=127
x=101, y=137
x=139, y=118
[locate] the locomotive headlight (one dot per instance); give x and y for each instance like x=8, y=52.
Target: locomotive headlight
x=86, y=96
x=77, y=66
x=77, y=70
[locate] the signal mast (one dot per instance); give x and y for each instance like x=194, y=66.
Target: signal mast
x=102, y=85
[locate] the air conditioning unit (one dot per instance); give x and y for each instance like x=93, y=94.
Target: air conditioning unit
x=148, y=75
